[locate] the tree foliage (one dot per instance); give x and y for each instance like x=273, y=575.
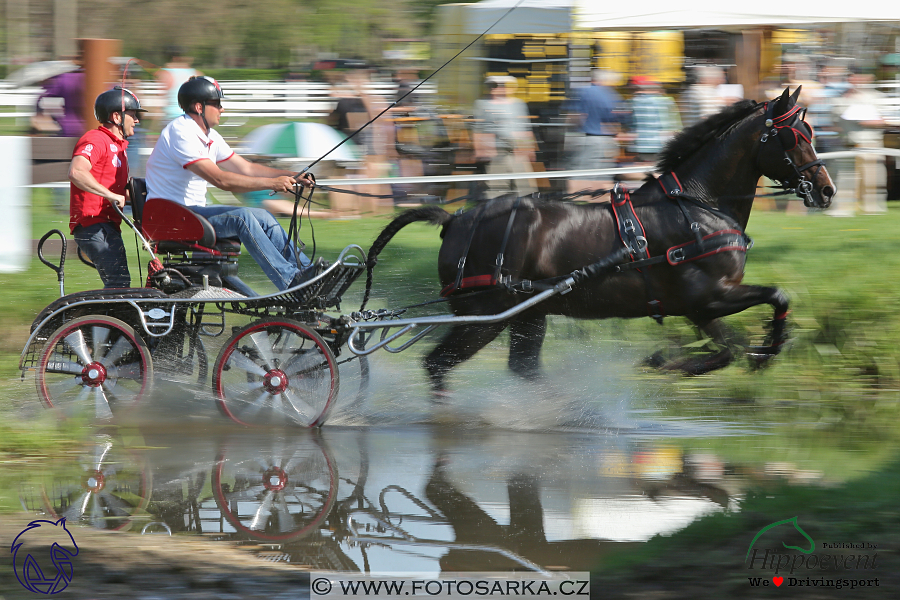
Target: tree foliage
x=239, y=33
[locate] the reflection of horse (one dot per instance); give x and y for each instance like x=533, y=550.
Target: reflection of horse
x=697, y=229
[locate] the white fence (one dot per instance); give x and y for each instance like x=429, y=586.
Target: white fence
x=288, y=99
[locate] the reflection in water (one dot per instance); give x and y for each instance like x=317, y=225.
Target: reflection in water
x=420, y=499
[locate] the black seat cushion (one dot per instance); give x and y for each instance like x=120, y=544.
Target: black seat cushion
x=227, y=246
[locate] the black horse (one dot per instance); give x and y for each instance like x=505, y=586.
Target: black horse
x=691, y=220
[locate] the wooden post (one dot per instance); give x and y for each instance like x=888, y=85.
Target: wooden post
x=99, y=73
x=748, y=53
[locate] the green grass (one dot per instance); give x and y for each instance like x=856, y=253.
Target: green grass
x=706, y=559
x=842, y=365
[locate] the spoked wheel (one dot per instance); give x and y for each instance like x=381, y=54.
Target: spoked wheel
x=96, y=364
x=276, y=372
x=280, y=495
x=108, y=489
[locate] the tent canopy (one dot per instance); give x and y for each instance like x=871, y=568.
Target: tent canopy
x=665, y=14
x=530, y=16
x=559, y=16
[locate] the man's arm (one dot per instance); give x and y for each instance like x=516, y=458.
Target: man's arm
x=231, y=179
x=240, y=165
x=80, y=175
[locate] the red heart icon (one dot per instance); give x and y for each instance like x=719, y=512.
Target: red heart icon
x=778, y=581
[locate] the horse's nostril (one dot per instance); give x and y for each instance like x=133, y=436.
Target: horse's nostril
x=828, y=191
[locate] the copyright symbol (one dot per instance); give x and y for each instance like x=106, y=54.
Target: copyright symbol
x=321, y=586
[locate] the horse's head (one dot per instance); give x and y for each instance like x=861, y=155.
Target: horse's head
x=786, y=153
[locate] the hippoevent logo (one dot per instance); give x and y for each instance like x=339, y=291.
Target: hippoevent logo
x=801, y=566
x=42, y=556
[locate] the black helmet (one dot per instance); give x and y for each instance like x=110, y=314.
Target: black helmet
x=118, y=100
x=199, y=88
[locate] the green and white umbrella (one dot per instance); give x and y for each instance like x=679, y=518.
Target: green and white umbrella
x=303, y=141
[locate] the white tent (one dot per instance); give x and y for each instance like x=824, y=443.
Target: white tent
x=527, y=16
x=666, y=14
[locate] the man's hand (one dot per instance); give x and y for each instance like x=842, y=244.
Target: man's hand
x=306, y=180
x=284, y=183
x=118, y=200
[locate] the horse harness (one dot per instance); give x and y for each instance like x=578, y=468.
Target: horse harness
x=723, y=240
x=790, y=128
x=480, y=281
x=633, y=255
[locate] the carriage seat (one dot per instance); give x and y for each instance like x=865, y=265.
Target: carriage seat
x=173, y=227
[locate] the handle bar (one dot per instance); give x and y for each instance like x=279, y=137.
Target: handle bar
x=60, y=270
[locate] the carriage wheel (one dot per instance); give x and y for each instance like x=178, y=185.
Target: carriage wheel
x=279, y=495
x=94, y=362
x=276, y=372
x=109, y=489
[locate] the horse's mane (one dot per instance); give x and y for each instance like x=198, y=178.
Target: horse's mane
x=694, y=137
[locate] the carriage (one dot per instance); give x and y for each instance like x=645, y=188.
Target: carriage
x=676, y=247
x=101, y=348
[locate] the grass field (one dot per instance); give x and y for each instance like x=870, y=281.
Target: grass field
x=840, y=274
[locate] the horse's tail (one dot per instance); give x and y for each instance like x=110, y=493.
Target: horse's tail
x=432, y=214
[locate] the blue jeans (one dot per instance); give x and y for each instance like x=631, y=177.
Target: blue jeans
x=263, y=237
x=102, y=244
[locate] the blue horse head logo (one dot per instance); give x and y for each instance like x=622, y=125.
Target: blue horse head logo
x=30, y=561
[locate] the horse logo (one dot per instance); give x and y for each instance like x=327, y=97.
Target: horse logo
x=793, y=521
x=37, y=537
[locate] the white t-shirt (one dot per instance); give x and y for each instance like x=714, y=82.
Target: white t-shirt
x=180, y=144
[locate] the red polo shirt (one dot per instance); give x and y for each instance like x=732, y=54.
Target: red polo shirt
x=109, y=166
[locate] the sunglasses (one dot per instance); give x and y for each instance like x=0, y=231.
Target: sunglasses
x=216, y=103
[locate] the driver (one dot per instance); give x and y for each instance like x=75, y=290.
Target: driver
x=190, y=153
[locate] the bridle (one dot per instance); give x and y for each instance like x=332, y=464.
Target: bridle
x=790, y=128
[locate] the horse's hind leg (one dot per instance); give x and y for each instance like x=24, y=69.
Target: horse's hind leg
x=459, y=345
x=526, y=337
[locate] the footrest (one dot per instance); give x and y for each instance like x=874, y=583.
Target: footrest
x=325, y=291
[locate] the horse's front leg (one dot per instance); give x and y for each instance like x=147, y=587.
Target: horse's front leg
x=739, y=298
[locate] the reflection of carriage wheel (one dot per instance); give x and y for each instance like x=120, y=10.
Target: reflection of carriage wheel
x=276, y=372
x=94, y=362
x=280, y=497
x=112, y=489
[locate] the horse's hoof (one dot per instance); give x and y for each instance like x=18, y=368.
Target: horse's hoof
x=655, y=360
x=759, y=357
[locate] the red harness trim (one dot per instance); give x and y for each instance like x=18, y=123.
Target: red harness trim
x=733, y=248
x=475, y=281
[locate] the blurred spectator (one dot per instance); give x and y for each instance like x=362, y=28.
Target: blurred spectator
x=177, y=71
x=654, y=119
x=354, y=109
x=503, y=137
x=599, y=112
x=862, y=126
x=703, y=98
x=406, y=81
x=70, y=88
x=821, y=109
